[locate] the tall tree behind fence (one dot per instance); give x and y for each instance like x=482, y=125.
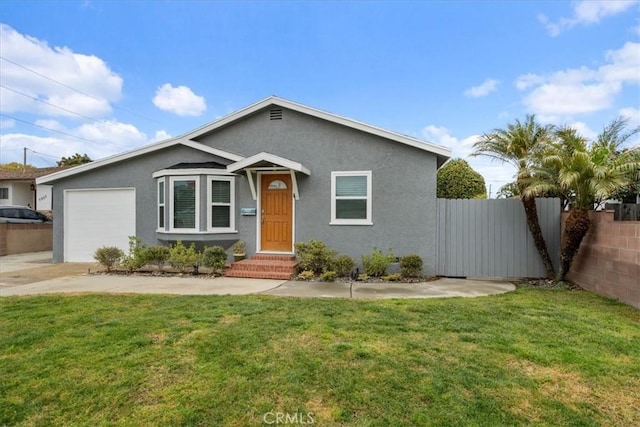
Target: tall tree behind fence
x=490, y=238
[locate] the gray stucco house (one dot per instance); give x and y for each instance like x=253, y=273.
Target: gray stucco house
x=272, y=174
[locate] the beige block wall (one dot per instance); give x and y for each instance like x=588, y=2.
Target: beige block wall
x=23, y=238
x=608, y=262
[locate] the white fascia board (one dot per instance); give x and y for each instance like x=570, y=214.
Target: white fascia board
x=271, y=158
x=135, y=153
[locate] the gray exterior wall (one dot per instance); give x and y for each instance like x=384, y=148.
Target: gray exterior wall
x=403, y=185
x=133, y=173
x=403, y=178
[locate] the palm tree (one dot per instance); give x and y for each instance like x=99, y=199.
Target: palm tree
x=587, y=175
x=517, y=145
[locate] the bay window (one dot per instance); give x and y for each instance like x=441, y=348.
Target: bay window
x=220, y=212
x=184, y=203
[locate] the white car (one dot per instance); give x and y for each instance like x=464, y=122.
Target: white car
x=22, y=215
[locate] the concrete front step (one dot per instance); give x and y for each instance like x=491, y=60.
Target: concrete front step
x=264, y=266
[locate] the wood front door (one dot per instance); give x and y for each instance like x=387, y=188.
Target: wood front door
x=276, y=201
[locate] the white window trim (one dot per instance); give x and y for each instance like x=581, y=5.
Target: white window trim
x=195, y=230
x=368, y=220
x=163, y=204
x=232, y=204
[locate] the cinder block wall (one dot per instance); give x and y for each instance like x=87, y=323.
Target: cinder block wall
x=608, y=262
x=23, y=238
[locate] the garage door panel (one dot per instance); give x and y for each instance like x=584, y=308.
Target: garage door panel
x=95, y=218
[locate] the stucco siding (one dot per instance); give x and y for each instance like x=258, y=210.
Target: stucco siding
x=403, y=178
x=133, y=173
x=403, y=185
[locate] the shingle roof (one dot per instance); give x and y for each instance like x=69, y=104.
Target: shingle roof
x=26, y=174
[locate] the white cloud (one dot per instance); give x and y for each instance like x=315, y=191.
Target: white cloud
x=586, y=12
x=484, y=89
x=85, y=73
x=179, y=100
x=584, y=130
x=632, y=115
x=494, y=173
x=527, y=80
x=161, y=135
x=440, y=135
x=582, y=90
x=99, y=140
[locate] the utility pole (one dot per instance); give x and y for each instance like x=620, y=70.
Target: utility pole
x=24, y=159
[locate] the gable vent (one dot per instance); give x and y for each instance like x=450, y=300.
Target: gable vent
x=275, y=114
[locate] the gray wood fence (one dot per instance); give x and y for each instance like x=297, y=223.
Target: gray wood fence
x=490, y=238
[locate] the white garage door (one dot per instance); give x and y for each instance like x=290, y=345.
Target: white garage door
x=95, y=218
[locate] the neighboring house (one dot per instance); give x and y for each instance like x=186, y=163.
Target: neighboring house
x=18, y=187
x=272, y=174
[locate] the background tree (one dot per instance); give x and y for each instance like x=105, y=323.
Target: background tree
x=508, y=191
x=587, y=175
x=16, y=166
x=458, y=180
x=75, y=160
x=518, y=145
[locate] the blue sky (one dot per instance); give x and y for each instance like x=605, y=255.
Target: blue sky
x=444, y=72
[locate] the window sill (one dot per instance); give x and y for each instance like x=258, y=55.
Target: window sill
x=351, y=223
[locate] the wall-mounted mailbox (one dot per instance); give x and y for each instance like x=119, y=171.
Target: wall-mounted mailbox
x=248, y=211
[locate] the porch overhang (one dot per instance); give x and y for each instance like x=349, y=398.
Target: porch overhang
x=268, y=162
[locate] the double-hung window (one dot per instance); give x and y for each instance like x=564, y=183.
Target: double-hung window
x=185, y=206
x=220, y=196
x=351, y=198
x=161, y=204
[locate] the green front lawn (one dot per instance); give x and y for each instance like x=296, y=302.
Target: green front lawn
x=533, y=356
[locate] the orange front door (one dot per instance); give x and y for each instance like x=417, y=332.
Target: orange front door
x=276, y=201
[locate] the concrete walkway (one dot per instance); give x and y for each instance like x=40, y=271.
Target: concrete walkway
x=441, y=288
x=19, y=276
x=143, y=285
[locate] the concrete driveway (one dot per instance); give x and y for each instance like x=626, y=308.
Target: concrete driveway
x=32, y=274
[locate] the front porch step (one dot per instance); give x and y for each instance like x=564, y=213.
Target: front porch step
x=264, y=266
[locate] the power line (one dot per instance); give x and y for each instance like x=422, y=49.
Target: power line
x=35, y=98
x=63, y=109
x=43, y=154
x=48, y=128
x=77, y=90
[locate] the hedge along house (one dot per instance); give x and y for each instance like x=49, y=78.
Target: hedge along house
x=272, y=174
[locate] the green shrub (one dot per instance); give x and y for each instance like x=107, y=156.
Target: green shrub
x=108, y=256
x=306, y=275
x=184, y=258
x=137, y=256
x=377, y=262
x=343, y=265
x=214, y=257
x=314, y=256
x=395, y=277
x=157, y=255
x=411, y=265
x=328, y=276
x=363, y=277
